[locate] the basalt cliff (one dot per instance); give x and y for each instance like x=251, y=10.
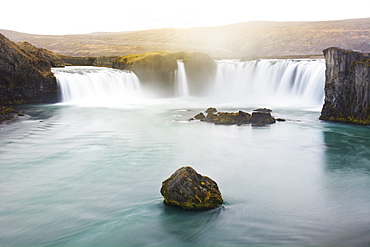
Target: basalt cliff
x=25, y=74
x=347, y=86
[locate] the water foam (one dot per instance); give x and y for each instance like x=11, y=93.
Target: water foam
x=97, y=86
x=274, y=82
x=284, y=82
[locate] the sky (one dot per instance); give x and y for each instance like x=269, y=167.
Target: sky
x=81, y=16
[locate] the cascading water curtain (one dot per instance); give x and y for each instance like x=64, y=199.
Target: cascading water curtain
x=279, y=81
x=97, y=86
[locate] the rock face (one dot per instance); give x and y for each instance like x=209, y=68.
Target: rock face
x=157, y=70
x=261, y=117
x=24, y=77
x=347, y=86
x=187, y=189
x=200, y=72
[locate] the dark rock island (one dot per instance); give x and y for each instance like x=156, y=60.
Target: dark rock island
x=347, y=86
x=259, y=117
x=187, y=189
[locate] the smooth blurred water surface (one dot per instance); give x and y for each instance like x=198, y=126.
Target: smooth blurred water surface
x=90, y=176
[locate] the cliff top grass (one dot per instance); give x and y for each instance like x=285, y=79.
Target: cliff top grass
x=133, y=58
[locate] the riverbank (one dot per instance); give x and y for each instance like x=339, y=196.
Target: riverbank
x=8, y=114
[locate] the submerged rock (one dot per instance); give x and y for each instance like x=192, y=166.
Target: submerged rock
x=280, y=119
x=187, y=189
x=8, y=113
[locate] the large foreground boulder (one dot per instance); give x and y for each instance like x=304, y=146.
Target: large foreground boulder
x=187, y=189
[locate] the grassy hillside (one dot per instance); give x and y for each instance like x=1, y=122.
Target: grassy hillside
x=262, y=39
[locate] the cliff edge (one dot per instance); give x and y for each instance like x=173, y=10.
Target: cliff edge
x=347, y=86
x=25, y=77
x=157, y=70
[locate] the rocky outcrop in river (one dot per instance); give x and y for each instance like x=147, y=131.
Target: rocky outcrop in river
x=25, y=74
x=259, y=117
x=187, y=189
x=347, y=86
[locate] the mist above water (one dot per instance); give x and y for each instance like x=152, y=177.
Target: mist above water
x=275, y=82
x=97, y=86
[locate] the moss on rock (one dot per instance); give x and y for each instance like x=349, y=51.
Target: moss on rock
x=8, y=113
x=189, y=190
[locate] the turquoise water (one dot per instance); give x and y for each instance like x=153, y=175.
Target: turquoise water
x=90, y=176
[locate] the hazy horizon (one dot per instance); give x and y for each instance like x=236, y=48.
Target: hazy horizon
x=123, y=31
x=83, y=17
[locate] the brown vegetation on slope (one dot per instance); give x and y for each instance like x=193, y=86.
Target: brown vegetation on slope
x=250, y=39
x=24, y=76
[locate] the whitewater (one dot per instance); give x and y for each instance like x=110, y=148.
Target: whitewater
x=269, y=82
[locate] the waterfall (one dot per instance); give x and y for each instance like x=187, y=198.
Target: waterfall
x=181, y=82
x=97, y=85
x=276, y=80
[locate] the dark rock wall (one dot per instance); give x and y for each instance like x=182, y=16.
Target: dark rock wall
x=156, y=70
x=24, y=76
x=200, y=72
x=347, y=86
x=89, y=61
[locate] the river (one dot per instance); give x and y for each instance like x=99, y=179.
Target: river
x=79, y=173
